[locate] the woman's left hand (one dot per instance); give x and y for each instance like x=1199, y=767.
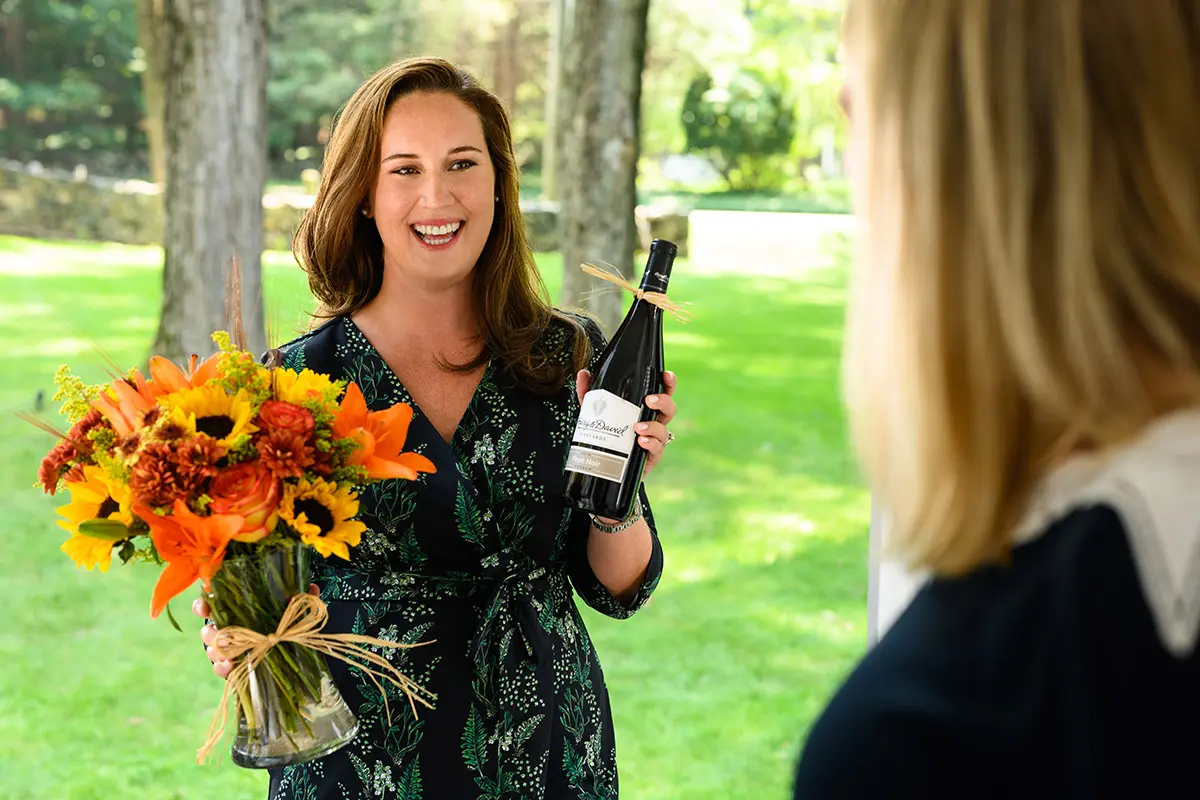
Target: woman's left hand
x=653, y=436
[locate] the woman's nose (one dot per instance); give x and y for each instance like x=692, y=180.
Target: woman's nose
x=435, y=190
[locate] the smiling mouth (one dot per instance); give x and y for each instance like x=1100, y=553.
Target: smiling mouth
x=438, y=235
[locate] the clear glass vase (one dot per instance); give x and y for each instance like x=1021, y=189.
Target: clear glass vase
x=290, y=712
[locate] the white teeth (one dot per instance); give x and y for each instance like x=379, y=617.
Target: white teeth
x=438, y=230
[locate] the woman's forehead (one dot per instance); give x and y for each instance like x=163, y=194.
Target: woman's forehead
x=428, y=121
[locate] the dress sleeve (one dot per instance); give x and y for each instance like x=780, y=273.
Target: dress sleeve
x=586, y=584
x=589, y=587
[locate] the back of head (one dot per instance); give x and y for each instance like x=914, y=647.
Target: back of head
x=1029, y=174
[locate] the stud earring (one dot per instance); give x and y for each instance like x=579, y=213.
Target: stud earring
x=497, y=198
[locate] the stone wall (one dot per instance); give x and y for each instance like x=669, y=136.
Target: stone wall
x=52, y=204
x=61, y=205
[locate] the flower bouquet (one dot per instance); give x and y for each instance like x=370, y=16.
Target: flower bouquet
x=232, y=473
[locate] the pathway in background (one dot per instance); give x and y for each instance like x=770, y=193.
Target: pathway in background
x=763, y=243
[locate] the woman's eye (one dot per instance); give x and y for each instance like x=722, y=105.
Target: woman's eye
x=405, y=171
x=462, y=164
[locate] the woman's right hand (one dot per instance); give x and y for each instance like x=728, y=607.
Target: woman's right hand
x=208, y=634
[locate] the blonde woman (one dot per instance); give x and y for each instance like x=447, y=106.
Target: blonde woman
x=1022, y=372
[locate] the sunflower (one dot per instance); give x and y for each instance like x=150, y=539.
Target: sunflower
x=322, y=513
x=210, y=410
x=302, y=388
x=97, y=496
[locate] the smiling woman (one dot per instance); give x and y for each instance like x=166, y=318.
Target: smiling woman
x=415, y=247
x=420, y=149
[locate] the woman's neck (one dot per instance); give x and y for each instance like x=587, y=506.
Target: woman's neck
x=440, y=319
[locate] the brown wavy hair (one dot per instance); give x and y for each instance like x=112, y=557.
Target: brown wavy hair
x=341, y=251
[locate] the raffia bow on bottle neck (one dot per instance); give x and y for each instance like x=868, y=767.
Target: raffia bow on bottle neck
x=607, y=272
x=301, y=625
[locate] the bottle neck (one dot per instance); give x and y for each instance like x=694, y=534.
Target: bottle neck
x=656, y=277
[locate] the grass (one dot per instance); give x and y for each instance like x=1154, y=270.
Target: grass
x=761, y=610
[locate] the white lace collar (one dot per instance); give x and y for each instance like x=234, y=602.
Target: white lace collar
x=1154, y=483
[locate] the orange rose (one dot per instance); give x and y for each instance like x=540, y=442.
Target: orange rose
x=280, y=416
x=248, y=489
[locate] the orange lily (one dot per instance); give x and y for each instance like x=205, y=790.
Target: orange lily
x=123, y=408
x=193, y=547
x=380, y=436
x=172, y=379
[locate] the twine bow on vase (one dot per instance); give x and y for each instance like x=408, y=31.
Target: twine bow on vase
x=301, y=624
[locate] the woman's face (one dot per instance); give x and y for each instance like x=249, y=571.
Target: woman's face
x=434, y=195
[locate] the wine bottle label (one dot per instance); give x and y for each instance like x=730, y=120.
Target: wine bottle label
x=607, y=421
x=597, y=464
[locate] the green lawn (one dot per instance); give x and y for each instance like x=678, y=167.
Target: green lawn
x=761, y=610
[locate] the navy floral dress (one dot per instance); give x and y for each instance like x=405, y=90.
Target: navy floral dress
x=481, y=558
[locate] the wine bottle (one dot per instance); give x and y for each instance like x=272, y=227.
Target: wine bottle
x=605, y=462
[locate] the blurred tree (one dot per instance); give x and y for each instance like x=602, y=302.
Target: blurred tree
x=604, y=49
x=795, y=41
x=77, y=83
x=688, y=38
x=320, y=52
x=216, y=127
x=151, y=38
x=745, y=125
x=552, y=134
x=506, y=44
x=68, y=88
x=57, y=106
x=801, y=40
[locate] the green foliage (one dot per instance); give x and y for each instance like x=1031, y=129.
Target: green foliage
x=744, y=125
x=409, y=787
x=319, y=53
x=76, y=396
x=109, y=529
x=474, y=741
x=795, y=43
x=70, y=90
x=469, y=519
x=802, y=40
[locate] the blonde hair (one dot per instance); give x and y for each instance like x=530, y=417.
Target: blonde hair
x=1030, y=182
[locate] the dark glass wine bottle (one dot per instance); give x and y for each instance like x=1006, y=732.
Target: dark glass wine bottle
x=604, y=465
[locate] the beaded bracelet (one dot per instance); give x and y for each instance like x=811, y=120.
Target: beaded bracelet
x=633, y=518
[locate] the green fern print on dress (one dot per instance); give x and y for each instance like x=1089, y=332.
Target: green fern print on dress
x=482, y=560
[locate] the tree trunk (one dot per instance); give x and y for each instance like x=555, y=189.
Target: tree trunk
x=216, y=125
x=506, y=69
x=151, y=38
x=604, y=49
x=12, y=32
x=552, y=115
